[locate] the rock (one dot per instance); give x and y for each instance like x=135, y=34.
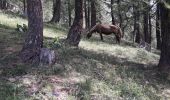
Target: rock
x=47, y=56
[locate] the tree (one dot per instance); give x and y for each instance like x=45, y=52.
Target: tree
x=93, y=13
x=34, y=39
x=146, y=23
x=88, y=14
x=136, y=31
x=119, y=13
x=164, y=63
x=85, y=13
x=112, y=14
x=24, y=10
x=158, y=28
x=75, y=31
x=69, y=12
x=56, y=11
x=3, y=4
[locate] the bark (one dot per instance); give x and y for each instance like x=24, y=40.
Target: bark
x=150, y=30
x=85, y=12
x=75, y=31
x=112, y=13
x=145, y=26
x=88, y=12
x=69, y=12
x=136, y=24
x=158, y=28
x=3, y=4
x=56, y=11
x=34, y=39
x=24, y=2
x=147, y=34
x=164, y=63
x=93, y=13
x=119, y=14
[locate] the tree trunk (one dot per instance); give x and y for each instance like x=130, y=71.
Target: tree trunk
x=3, y=4
x=75, y=31
x=24, y=2
x=56, y=11
x=150, y=29
x=158, y=28
x=164, y=63
x=93, y=13
x=147, y=34
x=145, y=26
x=119, y=14
x=34, y=39
x=85, y=12
x=112, y=14
x=88, y=12
x=69, y=12
x=136, y=24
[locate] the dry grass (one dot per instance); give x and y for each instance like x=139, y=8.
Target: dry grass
x=96, y=70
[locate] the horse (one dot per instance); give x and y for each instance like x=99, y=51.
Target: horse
x=107, y=30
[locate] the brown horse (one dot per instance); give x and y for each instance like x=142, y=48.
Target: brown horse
x=107, y=30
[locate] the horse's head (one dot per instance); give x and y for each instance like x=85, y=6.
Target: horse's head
x=89, y=35
x=119, y=35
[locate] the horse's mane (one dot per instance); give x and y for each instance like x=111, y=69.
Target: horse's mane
x=93, y=27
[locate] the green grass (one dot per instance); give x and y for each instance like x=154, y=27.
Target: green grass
x=96, y=70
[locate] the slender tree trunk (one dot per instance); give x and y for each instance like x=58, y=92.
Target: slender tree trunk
x=138, y=34
x=75, y=31
x=3, y=4
x=88, y=12
x=145, y=26
x=93, y=13
x=112, y=13
x=34, y=39
x=150, y=29
x=69, y=12
x=119, y=14
x=147, y=34
x=56, y=11
x=158, y=28
x=136, y=24
x=164, y=63
x=24, y=2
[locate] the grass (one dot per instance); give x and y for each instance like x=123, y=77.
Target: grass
x=96, y=70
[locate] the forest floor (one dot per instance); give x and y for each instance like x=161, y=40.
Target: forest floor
x=94, y=71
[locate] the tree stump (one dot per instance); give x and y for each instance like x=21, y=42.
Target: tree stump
x=47, y=56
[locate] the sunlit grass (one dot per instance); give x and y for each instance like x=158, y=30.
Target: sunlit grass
x=10, y=21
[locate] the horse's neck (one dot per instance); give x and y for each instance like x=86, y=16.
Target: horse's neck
x=93, y=29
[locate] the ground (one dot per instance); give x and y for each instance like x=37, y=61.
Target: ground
x=95, y=70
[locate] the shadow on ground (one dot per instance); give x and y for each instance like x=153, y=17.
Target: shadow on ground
x=128, y=78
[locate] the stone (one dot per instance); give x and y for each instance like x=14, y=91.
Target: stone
x=47, y=56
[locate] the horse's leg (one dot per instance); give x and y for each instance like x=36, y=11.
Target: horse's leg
x=118, y=39
x=101, y=36
x=115, y=37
